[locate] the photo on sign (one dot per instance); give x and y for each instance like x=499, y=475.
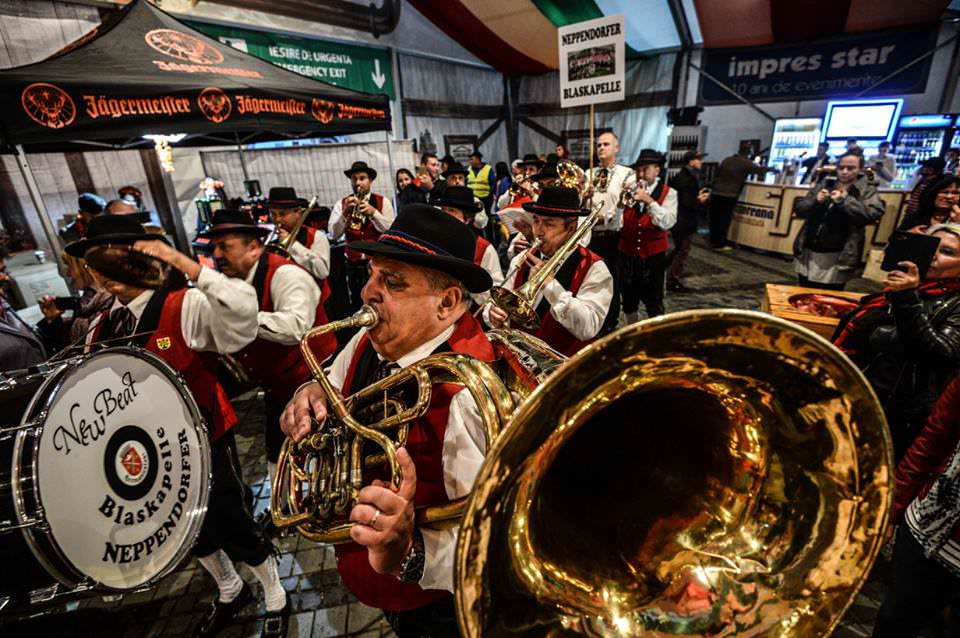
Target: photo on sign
x=592, y=62
x=460, y=147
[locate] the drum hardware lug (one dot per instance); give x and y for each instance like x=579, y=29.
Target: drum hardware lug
x=9, y=526
x=6, y=433
x=44, y=594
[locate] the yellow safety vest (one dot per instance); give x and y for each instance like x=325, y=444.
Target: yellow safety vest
x=479, y=183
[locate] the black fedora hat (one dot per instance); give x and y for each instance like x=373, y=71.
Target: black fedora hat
x=111, y=229
x=557, y=201
x=361, y=167
x=285, y=197
x=547, y=171
x=531, y=159
x=459, y=197
x=455, y=169
x=228, y=220
x=650, y=156
x=425, y=236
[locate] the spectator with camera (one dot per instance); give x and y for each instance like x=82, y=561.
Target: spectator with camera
x=835, y=212
x=884, y=166
x=906, y=339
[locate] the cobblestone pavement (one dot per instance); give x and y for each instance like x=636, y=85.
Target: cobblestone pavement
x=322, y=607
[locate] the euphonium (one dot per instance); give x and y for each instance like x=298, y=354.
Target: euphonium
x=706, y=473
x=282, y=247
x=318, y=479
x=570, y=175
x=356, y=219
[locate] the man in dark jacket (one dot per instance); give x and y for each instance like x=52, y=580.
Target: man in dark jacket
x=691, y=201
x=830, y=244
x=727, y=184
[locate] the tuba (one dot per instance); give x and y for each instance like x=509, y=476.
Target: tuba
x=356, y=219
x=716, y=473
x=282, y=248
x=318, y=479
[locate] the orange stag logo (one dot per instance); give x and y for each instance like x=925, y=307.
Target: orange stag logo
x=214, y=104
x=48, y=105
x=183, y=47
x=322, y=110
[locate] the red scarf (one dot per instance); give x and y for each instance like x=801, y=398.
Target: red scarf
x=873, y=307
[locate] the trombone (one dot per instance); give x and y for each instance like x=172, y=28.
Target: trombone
x=282, y=247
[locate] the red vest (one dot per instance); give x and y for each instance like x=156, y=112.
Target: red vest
x=367, y=232
x=279, y=368
x=639, y=237
x=480, y=250
x=198, y=369
x=570, y=276
x=425, y=444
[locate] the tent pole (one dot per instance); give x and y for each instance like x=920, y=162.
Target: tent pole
x=179, y=234
x=393, y=173
x=27, y=171
x=243, y=161
x=591, y=137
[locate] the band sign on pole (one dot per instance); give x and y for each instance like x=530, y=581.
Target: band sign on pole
x=592, y=62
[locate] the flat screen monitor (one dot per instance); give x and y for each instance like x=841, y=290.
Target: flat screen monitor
x=862, y=119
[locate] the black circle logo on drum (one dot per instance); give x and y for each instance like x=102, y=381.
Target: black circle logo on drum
x=130, y=463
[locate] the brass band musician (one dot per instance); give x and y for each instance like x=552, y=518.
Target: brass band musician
x=573, y=304
x=361, y=216
x=460, y=203
x=422, y=271
x=311, y=249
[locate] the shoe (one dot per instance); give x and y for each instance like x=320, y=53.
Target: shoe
x=275, y=623
x=219, y=614
x=265, y=522
x=677, y=286
x=724, y=249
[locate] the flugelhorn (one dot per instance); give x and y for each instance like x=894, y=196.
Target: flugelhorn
x=356, y=219
x=318, y=479
x=282, y=247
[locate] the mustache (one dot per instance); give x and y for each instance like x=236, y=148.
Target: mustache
x=220, y=263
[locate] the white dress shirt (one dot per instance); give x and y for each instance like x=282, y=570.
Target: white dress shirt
x=464, y=444
x=491, y=263
x=381, y=218
x=295, y=296
x=607, y=201
x=219, y=315
x=664, y=215
x=315, y=258
x=582, y=314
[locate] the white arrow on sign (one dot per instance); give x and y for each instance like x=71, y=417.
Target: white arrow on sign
x=378, y=77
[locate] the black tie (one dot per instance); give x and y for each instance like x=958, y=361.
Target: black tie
x=384, y=369
x=122, y=322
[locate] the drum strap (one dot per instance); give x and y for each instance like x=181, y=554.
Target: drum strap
x=150, y=318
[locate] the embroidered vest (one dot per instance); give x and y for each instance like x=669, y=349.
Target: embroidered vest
x=640, y=237
x=425, y=444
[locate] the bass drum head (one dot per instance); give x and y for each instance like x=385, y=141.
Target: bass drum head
x=120, y=468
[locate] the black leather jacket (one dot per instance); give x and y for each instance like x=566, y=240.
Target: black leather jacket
x=912, y=357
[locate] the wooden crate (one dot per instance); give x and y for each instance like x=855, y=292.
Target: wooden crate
x=776, y=301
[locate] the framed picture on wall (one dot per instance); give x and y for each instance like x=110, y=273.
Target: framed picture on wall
x=460, y=147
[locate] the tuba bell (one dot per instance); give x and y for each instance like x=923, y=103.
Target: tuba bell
x=715, y=473
x=318, y=479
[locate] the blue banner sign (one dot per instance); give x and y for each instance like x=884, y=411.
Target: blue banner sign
x=834, y=68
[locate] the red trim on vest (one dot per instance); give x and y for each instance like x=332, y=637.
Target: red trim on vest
x=279, y=368
x=551, y=331
x=480, y=250
x=425, y=444
x=367, y=232
x=639, y=237
x=198, y=369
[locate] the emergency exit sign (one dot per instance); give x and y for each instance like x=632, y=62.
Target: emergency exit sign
x=360, y=68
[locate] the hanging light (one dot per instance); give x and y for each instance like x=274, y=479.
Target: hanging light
x=161, y=143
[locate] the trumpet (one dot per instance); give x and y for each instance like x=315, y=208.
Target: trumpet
x=517, y=189
x=282, y=247
x=356, y=219
x=628, y=196
x=317, y=480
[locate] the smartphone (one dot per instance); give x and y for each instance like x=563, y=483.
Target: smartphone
x=904, y=246
x=830, y=183
x=67, y=303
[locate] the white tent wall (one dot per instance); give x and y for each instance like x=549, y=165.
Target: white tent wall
x=435, y=93
x=636, y=127
x=727, y=125
x=31, y=30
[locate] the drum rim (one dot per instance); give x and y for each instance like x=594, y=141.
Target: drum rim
x=40, y=404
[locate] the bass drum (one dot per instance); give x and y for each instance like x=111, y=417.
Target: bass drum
x=104, y=479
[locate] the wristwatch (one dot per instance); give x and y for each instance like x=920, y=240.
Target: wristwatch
x=411, y=569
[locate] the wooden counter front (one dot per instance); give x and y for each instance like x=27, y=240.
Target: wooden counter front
x=763, y=218
x=776, y=301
